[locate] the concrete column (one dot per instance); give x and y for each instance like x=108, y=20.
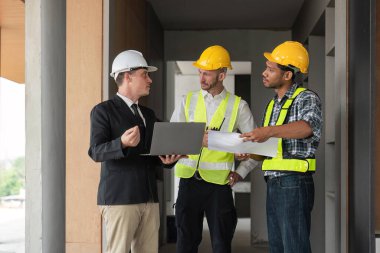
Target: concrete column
x=316, y=82
x=341, y=117
x=45, y=125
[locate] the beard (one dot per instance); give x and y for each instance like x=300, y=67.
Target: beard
x=209, y=86
x=275, y=85
x=272, y=85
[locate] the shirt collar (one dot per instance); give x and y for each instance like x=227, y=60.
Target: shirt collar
x=289, y=92
x=221, y=95
x=127, y=100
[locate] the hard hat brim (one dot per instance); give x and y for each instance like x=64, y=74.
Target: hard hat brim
x=199, y=66
x=148, y=68
x=152, y=69
x=269, y=57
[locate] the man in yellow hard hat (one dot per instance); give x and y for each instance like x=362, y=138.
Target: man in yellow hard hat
x=206, y=178
x=295, y=116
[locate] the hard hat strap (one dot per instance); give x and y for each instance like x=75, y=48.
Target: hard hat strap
x=294, y=68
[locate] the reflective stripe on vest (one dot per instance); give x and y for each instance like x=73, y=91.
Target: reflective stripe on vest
x=278, y=163
x=213, y=166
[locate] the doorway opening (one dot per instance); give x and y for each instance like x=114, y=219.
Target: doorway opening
x=181, y=78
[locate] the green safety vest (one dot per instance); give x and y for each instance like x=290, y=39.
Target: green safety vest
x=278, y=163
x=213, y=166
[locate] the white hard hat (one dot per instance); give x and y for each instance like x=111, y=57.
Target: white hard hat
x=129, y=60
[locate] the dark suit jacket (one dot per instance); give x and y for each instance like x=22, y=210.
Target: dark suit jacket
x=126, y=176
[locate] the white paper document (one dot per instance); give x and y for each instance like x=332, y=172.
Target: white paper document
x=232, y=143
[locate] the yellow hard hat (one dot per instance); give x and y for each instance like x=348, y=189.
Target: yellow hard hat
x=214, y=57
x=290, y=53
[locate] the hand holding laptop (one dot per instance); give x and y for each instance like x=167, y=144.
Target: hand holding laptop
x=169, y=159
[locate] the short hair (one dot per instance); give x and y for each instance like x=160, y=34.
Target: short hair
x=119, y=78
x=121, y=75
x=295, y=71
x=223, y=70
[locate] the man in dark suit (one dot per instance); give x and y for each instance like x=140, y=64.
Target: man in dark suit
x=121, y=130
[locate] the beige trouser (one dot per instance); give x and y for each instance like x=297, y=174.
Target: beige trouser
x=132, y=227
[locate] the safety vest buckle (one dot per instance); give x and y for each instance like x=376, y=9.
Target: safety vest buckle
x=197, y=176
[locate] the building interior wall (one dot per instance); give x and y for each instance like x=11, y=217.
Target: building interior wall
x=133, y=24
x=12, y=54
x=83, y=91
x=361, y=124
x=128, y=28
x=12, y=40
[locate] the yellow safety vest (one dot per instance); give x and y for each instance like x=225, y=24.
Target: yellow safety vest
x=278, y=163
x=213, y=166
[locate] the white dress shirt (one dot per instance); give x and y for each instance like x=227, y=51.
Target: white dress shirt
x=130, y=103
x=244, y=121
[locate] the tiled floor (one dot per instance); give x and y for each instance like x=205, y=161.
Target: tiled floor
x=240, y=243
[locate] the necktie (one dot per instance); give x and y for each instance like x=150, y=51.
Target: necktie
x=140, y=123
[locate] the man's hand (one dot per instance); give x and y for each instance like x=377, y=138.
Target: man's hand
x=260, y=134
x=169, y=159
x=131, y=137
x=233, y=178
x=205, y=140
x=242, y=157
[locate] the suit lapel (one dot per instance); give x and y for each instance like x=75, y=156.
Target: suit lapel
x=125, y=110
x=130, y=117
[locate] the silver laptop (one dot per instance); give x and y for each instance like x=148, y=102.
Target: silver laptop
x=180, y=138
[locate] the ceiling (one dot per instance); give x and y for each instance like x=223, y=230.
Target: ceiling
x=223, y=14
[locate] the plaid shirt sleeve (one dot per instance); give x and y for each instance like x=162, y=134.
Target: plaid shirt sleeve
x=309, y=108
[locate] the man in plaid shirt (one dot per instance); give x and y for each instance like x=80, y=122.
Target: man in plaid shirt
x=295, y=116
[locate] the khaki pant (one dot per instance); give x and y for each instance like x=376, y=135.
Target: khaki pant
x=132, y=227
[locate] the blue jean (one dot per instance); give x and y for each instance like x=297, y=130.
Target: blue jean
x=290, y=200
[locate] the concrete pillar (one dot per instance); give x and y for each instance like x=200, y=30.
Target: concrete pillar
x=45, y=126
x=341, y=117
x=316, y=82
